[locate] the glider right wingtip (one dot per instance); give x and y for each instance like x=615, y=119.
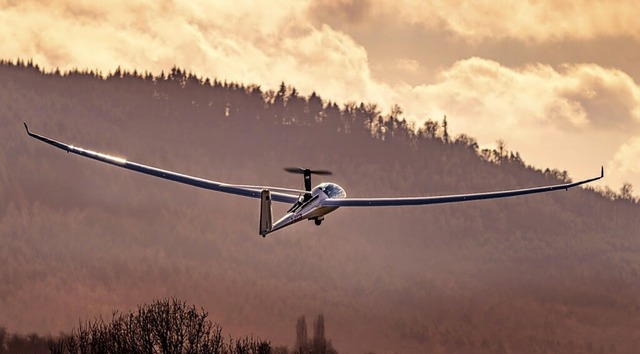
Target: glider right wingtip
x=601, y=171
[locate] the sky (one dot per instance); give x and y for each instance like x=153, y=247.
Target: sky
x=557, y=81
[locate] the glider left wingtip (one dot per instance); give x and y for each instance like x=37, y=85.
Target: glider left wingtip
x=27, y=129
x=601, y=171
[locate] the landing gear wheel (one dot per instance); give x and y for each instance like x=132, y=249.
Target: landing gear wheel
x=318, y=222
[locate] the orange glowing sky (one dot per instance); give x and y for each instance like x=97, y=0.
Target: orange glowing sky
x=556, y=80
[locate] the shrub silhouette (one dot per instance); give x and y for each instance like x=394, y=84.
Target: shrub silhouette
x=165, y=326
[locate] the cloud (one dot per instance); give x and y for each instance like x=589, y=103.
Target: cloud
x=353, y=11
x=626, y=161
x=530, y=21
x=610, y=96
x=624, y=166
x=572, y=97
x=545, y=20
x=410, y=66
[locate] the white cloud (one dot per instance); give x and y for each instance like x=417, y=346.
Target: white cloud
x=546, y=20
x=626, y=162
x=573, y=97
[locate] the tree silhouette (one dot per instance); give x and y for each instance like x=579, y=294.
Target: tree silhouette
x=18, y=344
x=165, y=326
x=626, y=192
x=445, y=130
x=318, y=344
x=302, y=339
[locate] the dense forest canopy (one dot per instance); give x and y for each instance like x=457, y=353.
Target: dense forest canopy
x=558, y=272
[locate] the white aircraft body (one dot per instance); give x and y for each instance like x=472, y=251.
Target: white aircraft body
x=309, y=204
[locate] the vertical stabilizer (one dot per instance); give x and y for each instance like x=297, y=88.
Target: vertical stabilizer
x=266, y=220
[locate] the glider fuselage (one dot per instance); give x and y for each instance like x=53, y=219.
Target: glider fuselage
x=310, y=206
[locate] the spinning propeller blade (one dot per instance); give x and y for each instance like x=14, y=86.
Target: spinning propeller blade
x=301, y=171
x=307, y=174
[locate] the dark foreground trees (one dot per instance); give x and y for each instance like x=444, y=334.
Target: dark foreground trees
x=165, y=326
x=16, y=343
x=319, y=344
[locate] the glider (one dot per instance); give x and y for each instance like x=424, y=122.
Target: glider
x=308, y=204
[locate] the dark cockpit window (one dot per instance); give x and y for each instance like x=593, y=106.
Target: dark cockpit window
x=333, y=190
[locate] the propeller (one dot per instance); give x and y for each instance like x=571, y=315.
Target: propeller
x=300, y=170
x=307, y=174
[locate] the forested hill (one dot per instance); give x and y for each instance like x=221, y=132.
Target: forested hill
x=558, y=272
